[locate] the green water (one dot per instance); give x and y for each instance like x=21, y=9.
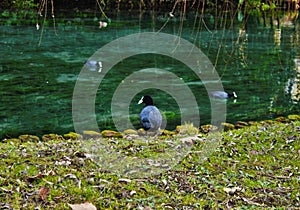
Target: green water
x=37, y=81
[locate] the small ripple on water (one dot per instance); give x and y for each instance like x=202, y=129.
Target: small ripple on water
x=66, y=78
x=6, y=77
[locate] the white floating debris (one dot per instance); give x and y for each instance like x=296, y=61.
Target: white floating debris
x=102, y=24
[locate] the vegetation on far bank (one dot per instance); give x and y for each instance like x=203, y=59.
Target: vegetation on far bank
x=32, y=11
x=255, y=166
x=142, y=4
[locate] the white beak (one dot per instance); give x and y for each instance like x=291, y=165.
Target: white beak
x=141, y=100
x=234, y=94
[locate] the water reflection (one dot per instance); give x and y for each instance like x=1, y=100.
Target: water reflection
x=293, y=84
x=243, y=44
x=289, y=20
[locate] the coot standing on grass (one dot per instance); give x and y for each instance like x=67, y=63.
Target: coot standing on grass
x=222, y=94
x=150, y=116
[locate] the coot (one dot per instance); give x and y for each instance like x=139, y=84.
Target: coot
x=222, y=94
x=150, y=116
x=93, y=65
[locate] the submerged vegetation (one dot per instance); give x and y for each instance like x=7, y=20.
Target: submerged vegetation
x=255, y=166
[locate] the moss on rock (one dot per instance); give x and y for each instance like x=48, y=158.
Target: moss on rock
x=253, y=123
x=241, y=124
x=111, y=133
x=16, y=140
x=208, y=128
x=27, y=137
x=130, y=131
x=227, y=126
x=282, y=119
x=72, y=135
x=141, y=131
x=92, y=134
x=52, y=136
x=168, y=133
x=294, y=117
x=187, y=129
x=268, y=122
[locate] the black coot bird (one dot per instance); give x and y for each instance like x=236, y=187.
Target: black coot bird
x=93, y=65
x=222, y=94
x=150, y=116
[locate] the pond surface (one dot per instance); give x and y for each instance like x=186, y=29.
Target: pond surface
x=259, y=62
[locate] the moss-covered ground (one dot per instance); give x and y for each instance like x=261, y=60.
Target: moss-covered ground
x=254, y=167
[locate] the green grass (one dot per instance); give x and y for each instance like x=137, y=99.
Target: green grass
x=253, y=167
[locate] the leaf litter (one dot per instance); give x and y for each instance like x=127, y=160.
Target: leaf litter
x=256, y=166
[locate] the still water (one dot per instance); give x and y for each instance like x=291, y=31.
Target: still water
x=257, y=59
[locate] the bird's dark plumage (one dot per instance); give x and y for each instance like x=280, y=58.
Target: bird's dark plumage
x=150, y=116
x=222, y=94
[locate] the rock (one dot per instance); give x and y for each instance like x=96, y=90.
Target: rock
x=294, y=117
x=208, y=128
x=141, y=131
x=253, y=123
x=178, y=128
x=52, y=136
x=130, y=134
x=267, y=122
x=27, y=137
x=72, y=135
x=227, y=126
x=168, y=133
x=187, y=129
x=130, y=131
x=14, y=140
x=282, y=119
x=241, y=124
x=92, y=134
x=111, y=133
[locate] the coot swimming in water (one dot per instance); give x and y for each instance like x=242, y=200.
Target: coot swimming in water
x=222, y=94
x=93, y=65
x=150, y=116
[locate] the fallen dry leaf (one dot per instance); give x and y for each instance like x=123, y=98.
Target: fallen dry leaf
x=83, y=206
x=43, y=192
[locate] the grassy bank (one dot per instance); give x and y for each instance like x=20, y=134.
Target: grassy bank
x=254, y=167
